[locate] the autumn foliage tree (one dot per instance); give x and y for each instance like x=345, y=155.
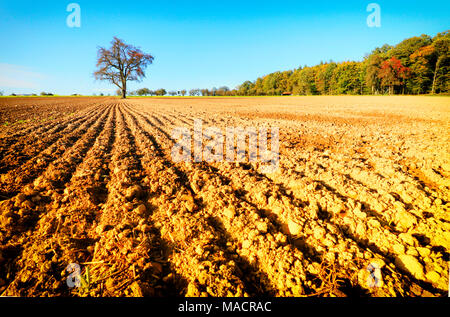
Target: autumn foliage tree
x=373, y=65
x=392, y=73
x=441, y=72
x=421, y=68
x=121, y=63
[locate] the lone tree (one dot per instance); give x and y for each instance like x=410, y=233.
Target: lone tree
x=121, y=63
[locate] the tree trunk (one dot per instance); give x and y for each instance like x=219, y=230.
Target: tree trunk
x=124, y=90
x=433, y=87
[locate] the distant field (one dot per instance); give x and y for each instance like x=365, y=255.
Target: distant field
x=358, y=206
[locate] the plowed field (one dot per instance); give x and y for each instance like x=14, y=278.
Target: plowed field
x=358, y=205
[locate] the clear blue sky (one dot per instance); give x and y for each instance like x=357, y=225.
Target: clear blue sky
x=196, y=44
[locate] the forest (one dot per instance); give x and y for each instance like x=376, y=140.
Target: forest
x=417, y=65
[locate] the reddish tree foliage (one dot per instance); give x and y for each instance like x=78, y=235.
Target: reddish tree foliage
x=392, y=73
x=121, y=63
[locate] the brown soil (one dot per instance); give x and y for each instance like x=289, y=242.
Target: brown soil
x=91, y=181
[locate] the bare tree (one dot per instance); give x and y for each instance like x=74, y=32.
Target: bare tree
x=121, y=63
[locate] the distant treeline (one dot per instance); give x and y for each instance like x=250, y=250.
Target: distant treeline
x=417, y=65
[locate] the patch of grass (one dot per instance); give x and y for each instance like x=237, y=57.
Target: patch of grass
x=7, y=123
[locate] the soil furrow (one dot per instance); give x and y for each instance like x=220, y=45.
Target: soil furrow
x=23, y=213
x=357, y=204
x=367, y=247
x=195, y=245
x=256, y=239
x=19, y=211
x=61, y=236
x=45, y=124
x=21, y=152
x=13, y=181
